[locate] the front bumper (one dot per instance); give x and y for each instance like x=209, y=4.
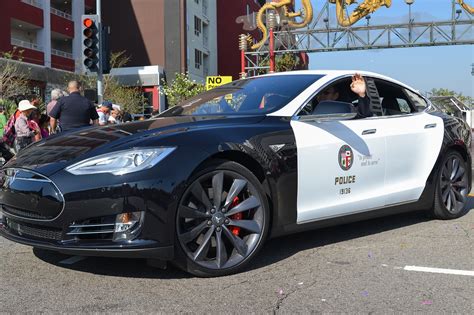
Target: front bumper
x=132, y=249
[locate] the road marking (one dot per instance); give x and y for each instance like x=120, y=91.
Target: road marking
x=440, y=270
x=72, y=260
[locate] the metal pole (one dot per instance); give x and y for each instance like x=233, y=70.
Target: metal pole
x=453, y=19
x=100, y=93
x=409, y=23
x=272, y=51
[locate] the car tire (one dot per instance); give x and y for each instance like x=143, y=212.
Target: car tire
x=220, y=236
x=451, y=188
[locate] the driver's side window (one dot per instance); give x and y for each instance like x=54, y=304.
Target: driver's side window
x=330, y=99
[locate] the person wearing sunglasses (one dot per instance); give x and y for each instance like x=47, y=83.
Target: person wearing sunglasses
x=358, y=87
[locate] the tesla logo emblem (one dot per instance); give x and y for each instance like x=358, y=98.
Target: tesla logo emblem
x=345, y=157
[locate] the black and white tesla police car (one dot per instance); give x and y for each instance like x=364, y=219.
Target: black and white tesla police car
x=208, y=181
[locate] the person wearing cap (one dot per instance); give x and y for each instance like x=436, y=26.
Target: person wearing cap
x=73, y=111
x=104, y=112
x=24, y=134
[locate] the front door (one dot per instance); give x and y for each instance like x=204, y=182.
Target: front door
x=341, y=167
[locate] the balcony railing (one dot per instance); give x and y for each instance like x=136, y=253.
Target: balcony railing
x=34, y=3
x=21, y=43
x=61, y=53
x=61, y=14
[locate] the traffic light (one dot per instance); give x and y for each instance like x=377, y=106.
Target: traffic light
x=90, y=43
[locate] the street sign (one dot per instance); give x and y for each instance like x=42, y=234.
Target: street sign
x=215, y=81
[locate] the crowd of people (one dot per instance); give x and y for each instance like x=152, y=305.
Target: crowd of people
x=66, y=111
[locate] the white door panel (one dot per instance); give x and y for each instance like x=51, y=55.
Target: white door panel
x=413, y=144
x=325, y=189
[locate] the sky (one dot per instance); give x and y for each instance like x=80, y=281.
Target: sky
x=423, y=68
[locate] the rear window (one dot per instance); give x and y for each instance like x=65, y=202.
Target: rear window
x=258, y=95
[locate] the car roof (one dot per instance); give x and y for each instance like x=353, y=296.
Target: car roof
x=333, y=74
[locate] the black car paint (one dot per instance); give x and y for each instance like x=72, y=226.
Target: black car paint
x=198, y=139
x=246, y=139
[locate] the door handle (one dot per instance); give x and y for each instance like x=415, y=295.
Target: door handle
x=369, y=132
x=428, y=126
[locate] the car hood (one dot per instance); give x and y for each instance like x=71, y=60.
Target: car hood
x=56, y=152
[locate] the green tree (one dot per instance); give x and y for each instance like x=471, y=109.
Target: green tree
x=284, y=62
x=181, y=88
x=467, y=100
x=13, y=80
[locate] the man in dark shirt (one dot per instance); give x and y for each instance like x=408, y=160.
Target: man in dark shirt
x=73, y=111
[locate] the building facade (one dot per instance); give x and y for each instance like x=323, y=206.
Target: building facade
x=201, y=38
x=234, y=18
x=46, y=31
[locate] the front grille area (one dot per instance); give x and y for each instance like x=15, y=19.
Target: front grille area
x=26, y=194
x=34, y=230
x=25, y=213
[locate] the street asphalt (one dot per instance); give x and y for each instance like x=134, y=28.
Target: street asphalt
x=355, y=268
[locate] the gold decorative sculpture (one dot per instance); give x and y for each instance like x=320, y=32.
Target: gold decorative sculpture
x=365, y=8
x=283, y=9
x=466, y=6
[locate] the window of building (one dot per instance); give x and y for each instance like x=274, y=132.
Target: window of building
x=197, y=1
x=197, y=59
x=197, y=26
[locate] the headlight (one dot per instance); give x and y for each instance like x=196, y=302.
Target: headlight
x=122, y=162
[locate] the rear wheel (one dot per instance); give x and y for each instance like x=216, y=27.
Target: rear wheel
x=452, y=187
x=222, y=220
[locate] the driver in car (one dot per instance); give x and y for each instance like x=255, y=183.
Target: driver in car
x=358, y=86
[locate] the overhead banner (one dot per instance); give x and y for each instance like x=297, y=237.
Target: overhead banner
x=215, y=81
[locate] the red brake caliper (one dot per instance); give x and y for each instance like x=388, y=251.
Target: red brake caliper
x=238, y=216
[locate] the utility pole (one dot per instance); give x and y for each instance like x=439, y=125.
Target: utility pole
x=100, y=93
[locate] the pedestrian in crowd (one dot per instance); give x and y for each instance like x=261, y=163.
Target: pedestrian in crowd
x=104, y=112
x=4, y=151
x=35, y=100
x=73, y=111
x=55, y=95
x=126, y=117
x=33, y=123
x=3, y=120
x=24, y=135
x=115, y=117
x=44, y=125
x=18, y=99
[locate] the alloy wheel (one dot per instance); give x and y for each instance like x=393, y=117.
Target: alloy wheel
x=220, y=220
x=454, y=184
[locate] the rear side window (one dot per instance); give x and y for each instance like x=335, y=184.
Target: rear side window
x=393, y=98
x=418, y=101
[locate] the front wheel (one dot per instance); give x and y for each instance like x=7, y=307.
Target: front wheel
x=222, y=220
x=452, y=187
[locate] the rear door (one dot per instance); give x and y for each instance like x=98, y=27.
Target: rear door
x=413, y=142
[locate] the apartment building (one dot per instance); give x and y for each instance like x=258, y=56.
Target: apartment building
x=47, y=31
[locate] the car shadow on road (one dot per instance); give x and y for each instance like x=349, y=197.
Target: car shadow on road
x=275, y=250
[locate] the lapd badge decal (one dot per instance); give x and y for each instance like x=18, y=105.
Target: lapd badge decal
x=346, y=157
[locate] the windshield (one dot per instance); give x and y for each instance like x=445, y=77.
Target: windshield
x=258, y=95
